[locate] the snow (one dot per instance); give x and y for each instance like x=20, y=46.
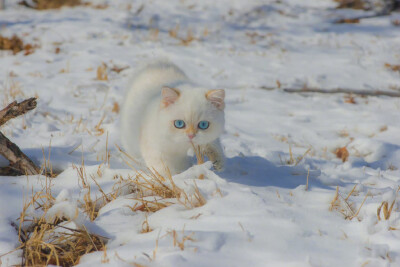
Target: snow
x=264, y=216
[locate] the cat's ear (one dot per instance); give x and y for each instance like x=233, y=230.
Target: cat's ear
x=169, y=96
x=216, y=97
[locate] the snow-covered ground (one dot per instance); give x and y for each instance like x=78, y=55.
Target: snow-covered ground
x=264, y=216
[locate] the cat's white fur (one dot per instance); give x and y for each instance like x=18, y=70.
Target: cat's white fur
x=158, y=95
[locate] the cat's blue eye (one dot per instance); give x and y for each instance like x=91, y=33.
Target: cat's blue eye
x=179, y=124
x=203, y=125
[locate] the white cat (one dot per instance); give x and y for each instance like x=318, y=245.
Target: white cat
x=164, y=113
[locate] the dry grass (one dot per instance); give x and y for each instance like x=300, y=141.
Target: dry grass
x=354, y=4
x=98, y=129
x=102, y=72
x=180, y=242
x=115, y=108
x=155, y=192
x=392, y=67
x=88, y=203
x=59, y=241
x=46, y=242
x=344, y=133
x=344, y=206
x=11, y=90
x=392, y=167
x=396, y=22
x=174, y=33
x=292, y=160
x=348, y=21
x=15, y=44
x=349, y=99
x=50, y=4
x=118, y=69
x=342, y=153
x=384, y=128
x=384, y=207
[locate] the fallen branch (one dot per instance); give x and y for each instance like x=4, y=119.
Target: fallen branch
x=343, y=91
x=357, y=19
x=20, y=164
x=16, y=109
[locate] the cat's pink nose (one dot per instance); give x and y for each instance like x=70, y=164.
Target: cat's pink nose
x=191, y=136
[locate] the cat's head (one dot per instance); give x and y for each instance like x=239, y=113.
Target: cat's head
x=192, y=114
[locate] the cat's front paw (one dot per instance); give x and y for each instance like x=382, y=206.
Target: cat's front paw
x=219, y=165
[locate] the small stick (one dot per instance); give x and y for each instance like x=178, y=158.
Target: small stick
x=342, y=91
x=308, y=175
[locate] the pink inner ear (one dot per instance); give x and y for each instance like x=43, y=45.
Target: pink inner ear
x=169, y=95
x=216, y=97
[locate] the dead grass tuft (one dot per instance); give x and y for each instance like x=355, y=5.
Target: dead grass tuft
x=174, y=33
x=49, y=4
x=119, y=69
x=115, y=107
x=386, y=211
x=15, y=44
x=384, y=128
x=396, y=22
x=146, y=226
x=102, y=72
x=392, y=67
x=180, y=242
x=349, y=99
x=60, y=241
x=293, y=161
x=354, y=4
x=46, y=242
x=392, y=167
x=342, y=153
x=155, y=192
x=344, y=206
x=88, y=204
x=384, y=207
x=344, y=133
x=348, y=21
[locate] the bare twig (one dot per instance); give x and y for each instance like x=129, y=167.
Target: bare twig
x=20, y=164
x=343, y=91
x=16, y=109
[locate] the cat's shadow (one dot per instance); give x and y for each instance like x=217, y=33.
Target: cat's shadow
x=257, y=171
